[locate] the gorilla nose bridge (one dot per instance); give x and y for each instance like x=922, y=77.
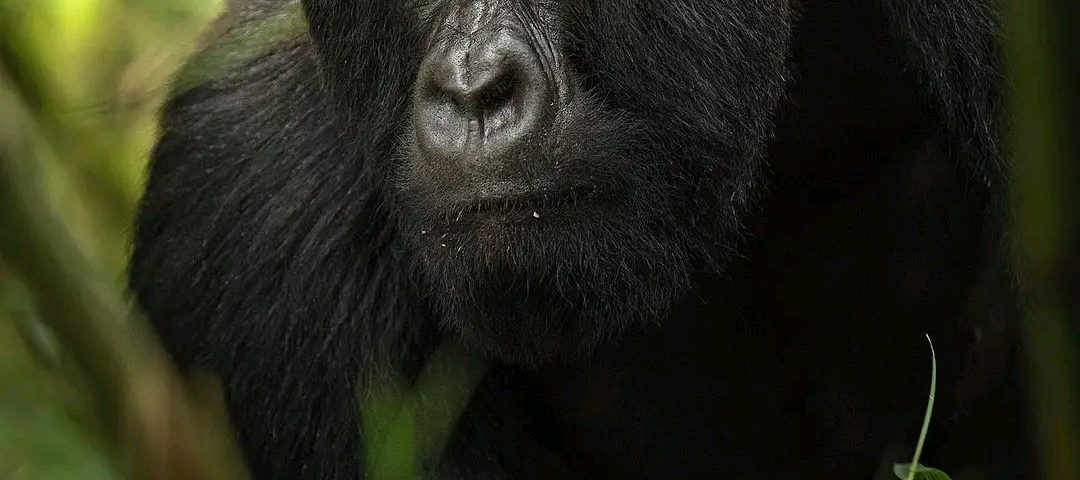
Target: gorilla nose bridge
x=473, y=16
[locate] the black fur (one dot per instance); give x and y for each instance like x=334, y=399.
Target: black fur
x=771, y=202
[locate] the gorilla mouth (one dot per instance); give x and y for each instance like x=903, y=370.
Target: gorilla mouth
x=511, y=201
x=522, y=203
x=583, y=170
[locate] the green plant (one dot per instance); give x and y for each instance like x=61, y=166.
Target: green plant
x=915, y=470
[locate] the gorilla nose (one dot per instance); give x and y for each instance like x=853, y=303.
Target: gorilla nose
x=479, y=96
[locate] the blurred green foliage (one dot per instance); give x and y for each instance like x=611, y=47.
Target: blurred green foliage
x=1046, y=204
x=81, y=84
x=94, y=73
x=407, y=427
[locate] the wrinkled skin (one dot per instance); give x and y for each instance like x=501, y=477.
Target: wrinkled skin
x=694, y=239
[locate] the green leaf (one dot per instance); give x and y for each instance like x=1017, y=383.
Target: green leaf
x=929, y=413
x=406, y=427
x=921, y=472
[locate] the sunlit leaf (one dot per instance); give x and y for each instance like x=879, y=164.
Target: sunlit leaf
x=904, y=470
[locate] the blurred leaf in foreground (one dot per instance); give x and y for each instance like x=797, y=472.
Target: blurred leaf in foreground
x=84, y=390
x=405, y=428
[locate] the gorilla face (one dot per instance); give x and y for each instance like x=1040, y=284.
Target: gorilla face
x=560, y=169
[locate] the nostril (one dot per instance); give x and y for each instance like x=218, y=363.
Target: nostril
x=498, y=93
x=481, y=97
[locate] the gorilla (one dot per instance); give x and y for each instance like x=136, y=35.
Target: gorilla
x=690, y=238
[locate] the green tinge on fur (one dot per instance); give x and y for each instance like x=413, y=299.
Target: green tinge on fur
x=240, y=45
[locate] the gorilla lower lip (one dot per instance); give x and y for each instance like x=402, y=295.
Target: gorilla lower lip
x=529, y=204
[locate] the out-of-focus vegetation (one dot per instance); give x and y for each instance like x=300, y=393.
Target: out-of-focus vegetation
x=406, y=427
x=85, y=392
x=1042, y=39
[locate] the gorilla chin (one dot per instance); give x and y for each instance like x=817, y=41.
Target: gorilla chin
x=541, y=222
x=542, y=254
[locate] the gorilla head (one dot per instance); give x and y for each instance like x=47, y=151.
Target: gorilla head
x=559, y=169
x=535, y=177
